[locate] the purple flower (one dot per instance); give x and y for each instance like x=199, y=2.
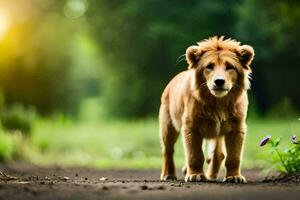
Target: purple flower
x=294, y=139
x=265, y=140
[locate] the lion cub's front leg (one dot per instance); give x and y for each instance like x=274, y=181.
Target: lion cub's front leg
x=194, y=155
x=234, y=146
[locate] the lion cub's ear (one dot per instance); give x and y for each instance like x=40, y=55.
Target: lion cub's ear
x=192, y=55
x=246, y=55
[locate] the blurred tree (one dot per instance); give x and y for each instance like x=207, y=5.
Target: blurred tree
x=37, y=60
x=272, y=27
x=141, y=41
x=53, y=52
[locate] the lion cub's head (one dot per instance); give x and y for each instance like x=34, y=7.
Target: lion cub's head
x=220, y=65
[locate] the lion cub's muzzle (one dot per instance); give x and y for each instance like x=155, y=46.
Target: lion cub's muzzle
x=219, y=87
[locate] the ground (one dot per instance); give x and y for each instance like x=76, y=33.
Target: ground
x=27, y=181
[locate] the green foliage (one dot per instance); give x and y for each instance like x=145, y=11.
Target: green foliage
x=253, y=111
x=141, y=41
x=273, y=31
x=41, y=56
x=288, y=160
x=283, y=109
x=56, y=53
x=292, y=159
x=17, y=117
x=6, y=147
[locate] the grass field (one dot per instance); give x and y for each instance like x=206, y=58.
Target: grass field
x=130, y=144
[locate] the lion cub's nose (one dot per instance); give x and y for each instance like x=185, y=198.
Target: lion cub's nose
x=219, y=81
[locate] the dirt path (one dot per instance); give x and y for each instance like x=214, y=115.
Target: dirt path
x=34, y=182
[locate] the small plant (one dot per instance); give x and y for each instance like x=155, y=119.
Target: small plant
x=17, y=117
x=289, y=159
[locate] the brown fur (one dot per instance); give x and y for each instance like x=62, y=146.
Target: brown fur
x=190, y=104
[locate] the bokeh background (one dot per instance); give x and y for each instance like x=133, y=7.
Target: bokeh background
x=80, y=80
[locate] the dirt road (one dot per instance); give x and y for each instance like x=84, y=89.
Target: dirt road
x=32, y=182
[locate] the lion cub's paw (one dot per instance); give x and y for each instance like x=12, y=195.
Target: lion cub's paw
x=169, y=177
x=235, y=179
x=211, y=178
x=195, y=178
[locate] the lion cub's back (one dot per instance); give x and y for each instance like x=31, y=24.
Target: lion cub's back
x=174, y=94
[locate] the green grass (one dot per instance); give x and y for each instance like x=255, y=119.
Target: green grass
x=130, y=144
x=6, y=146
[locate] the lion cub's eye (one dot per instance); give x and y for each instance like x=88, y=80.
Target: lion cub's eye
x=229, y=67
x=210, y=66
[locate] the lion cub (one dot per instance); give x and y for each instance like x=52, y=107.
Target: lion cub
x=208, y=101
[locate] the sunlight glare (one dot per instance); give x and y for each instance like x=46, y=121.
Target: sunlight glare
x=3, y=25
